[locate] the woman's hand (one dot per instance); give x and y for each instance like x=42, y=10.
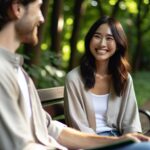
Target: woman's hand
x=136, y=137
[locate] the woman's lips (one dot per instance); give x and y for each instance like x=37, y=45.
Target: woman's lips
x=101, y=51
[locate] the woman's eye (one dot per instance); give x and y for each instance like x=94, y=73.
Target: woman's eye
x=97, y=36
x=110, y=38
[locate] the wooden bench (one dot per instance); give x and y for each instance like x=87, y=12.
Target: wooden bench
x=53, y=102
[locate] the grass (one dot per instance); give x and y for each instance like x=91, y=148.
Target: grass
x=141, y=82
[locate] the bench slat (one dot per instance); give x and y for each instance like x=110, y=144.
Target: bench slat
x=51, y=93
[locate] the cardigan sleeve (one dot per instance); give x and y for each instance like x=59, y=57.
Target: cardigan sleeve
x=75, y=112
x=131, y=121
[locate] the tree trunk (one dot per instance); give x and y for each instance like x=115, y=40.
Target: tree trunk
x=56, y=26
x=115, y=8
x=138, y=51
x=100, y=8
x=78, y=11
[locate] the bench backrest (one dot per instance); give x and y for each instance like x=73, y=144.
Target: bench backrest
x=53, y=102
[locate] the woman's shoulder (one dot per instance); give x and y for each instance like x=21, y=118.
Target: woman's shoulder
x=74, y=76
x=74, y=72
x=129, y=79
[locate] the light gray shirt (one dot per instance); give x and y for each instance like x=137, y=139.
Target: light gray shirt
x=15, y=131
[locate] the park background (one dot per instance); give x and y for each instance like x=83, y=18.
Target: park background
x=61, y=40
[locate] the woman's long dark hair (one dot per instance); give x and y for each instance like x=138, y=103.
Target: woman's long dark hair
x=118, y=64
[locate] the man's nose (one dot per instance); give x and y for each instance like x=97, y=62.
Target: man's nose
x=42, y=18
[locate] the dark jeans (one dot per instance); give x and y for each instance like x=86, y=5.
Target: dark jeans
x=110, y=133
x=127, y=146
x=136, y=146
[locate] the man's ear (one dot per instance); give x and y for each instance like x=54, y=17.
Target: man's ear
x=16, y=10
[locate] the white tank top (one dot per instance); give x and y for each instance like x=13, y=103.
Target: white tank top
x=100, y=107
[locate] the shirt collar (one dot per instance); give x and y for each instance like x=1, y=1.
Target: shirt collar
x=15, y=59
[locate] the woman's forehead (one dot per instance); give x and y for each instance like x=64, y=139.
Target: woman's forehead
x=104, y=29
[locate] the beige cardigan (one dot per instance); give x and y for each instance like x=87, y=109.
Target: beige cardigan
x=122, y=113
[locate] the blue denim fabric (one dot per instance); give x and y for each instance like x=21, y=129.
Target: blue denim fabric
x=110, y=133
x=135, y=146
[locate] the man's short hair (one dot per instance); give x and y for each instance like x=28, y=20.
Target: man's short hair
x=4, y=6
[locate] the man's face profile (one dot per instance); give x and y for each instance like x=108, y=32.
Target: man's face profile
x=27, y=25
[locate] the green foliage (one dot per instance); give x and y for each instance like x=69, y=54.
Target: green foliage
x=142, y=87
x=127, y=12
x=47, y=73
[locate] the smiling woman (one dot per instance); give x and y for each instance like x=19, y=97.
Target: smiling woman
x=102, y=44
x=99, y=94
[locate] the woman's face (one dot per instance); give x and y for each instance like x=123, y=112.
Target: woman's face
x=102, y=44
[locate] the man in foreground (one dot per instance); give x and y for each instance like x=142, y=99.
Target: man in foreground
x=24, y=124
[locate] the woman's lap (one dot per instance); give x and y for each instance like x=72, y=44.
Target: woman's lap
x=136, y=146
x=133, y=146
x=109, y=133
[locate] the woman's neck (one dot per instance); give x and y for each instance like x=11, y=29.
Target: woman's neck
x=102, y=68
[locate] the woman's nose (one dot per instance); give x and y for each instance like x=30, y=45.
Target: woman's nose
x=103, y=41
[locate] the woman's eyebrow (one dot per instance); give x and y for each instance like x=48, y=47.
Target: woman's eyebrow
x=98, y=33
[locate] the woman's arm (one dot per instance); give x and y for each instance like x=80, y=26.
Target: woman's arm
x=131, y=120
x=75, y=113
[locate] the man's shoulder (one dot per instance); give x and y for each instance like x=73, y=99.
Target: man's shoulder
x=5, y=68
x=4, y=63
